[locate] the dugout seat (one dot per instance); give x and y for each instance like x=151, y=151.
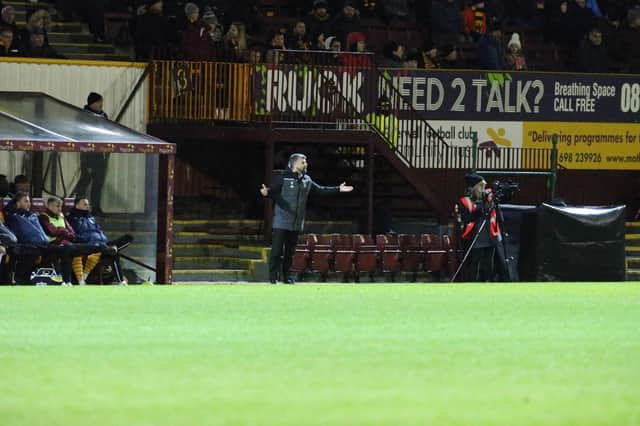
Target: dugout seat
x=434, y=253
x=344, y=253
x=302, y=255
x=412, y=253
x=390, y=254
x=367, y=255
x=321, y=254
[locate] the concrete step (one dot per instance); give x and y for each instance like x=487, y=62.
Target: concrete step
x=633, y=274
x=227, y=239
x=195, y=262
x=80, y=48
x=633, y=262
x=70, y=37
x=75, y=27
x=633, y=227
x=98, y=57
x=210, y=275
x=22, y=4
x=632, y=240
x=216, y=250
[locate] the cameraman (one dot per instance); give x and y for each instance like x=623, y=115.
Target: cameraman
x=475, y=207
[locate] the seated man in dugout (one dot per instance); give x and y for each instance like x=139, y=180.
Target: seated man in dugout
x=89, y=231
x=33, y=242
x=61, y=234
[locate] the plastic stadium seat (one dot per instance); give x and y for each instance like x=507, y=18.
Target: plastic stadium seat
x=390, y=253
x=367, y=254
x=412, y=253
x=344, y=253
x=302, y=255
x=321, y=254
x=434, y=253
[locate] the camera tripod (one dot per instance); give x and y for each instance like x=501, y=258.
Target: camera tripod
x=505, y=258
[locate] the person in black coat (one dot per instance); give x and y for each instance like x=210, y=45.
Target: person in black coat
x=153, y=33
x=592, y=54
x=289, y=192
x=93, y=165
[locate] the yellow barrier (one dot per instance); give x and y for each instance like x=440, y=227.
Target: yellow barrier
x=200, y=91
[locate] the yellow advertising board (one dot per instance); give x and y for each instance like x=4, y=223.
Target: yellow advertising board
x=588, y=146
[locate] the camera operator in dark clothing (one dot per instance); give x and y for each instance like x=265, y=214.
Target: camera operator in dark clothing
x=290, y=191
x=476, y=207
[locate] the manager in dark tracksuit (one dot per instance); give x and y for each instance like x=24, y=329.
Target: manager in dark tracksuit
x=289, y=192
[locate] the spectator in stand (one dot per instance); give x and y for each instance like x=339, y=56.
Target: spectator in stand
x=93, y=165
x=392, y=55
x=629, y=42
x=475, y=20
x=195, y=36
x=36, y=47
x=333, y=44
x=446, y=21
x=370, y=8
x=274, y=56
x=412, y=59
x=89, y=231
x=489, y=52
x=592, y=54
x=153, y=32
x=515, y=58
x=320, y=40
x=348, y=21
x=395, y=10
x=557, y=25
x=8, y=20
x=299, y=39
x=319, y=20
x=448, y=57
x=581, y=21
x=8, y=44
x=357, y=43
x=428, y=56
x=235, y=41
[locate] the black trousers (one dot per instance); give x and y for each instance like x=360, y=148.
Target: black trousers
x=283, y=246
x=93, y=171
x=480, y=265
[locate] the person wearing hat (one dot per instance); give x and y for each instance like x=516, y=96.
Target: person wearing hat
x=319, y=20
x=348, y=21
x=289, y=192
x=476, y=208
x=93, y=165
x=195, y=35
x=515, y=58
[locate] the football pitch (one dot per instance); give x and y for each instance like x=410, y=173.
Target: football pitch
x=500, y=354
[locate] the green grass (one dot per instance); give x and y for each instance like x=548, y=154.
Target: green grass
x=545, y=354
